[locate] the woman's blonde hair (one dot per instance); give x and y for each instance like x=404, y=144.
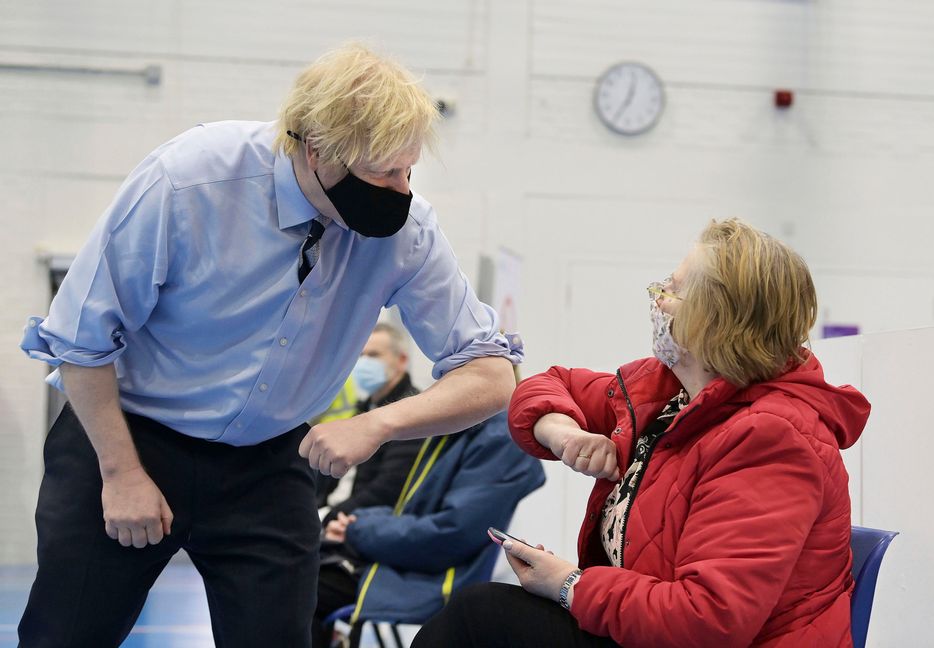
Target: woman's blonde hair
x=354, y=105
x=748, y=304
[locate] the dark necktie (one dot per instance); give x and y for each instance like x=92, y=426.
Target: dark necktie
x=309, y=254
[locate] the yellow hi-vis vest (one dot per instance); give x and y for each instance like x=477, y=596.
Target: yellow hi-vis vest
x=343, y=407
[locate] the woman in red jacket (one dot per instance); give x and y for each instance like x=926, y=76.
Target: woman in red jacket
x=730, y=525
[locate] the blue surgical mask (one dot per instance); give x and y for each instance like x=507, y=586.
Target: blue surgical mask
x=369, y=374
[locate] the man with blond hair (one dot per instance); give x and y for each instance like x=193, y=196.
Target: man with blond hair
x=222, y=300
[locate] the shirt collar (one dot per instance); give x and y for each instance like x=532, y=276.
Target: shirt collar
x=294, y=209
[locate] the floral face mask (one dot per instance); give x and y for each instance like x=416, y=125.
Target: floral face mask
x=664, y=346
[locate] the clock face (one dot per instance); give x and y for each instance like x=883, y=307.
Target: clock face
x=629, y=98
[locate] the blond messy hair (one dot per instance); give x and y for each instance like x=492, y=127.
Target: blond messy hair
x=748, y=304
x=353, y=105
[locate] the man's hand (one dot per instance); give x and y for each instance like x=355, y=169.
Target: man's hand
x=540, y=572
x=336, y=530
x=135, y=511
x=335, y=446
x=590, y=454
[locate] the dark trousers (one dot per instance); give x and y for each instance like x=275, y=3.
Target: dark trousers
x=497, y=615
x=245, y=515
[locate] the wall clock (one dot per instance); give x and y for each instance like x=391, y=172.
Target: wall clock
x=629, y=98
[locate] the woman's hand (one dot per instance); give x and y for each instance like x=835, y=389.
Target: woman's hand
x=540, y=572
x=336, y=530
x=590, y=454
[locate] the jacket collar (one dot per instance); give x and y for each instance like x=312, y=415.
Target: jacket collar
x=650, y=385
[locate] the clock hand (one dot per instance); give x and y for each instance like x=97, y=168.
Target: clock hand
x=630, y=93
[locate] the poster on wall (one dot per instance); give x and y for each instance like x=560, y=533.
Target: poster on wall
x=506, y=284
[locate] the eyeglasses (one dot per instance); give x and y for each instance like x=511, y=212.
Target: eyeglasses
x=657, y=289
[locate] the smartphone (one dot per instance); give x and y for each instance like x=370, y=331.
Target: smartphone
x=499, y=537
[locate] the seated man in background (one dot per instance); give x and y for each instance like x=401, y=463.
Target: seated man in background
x=382, y=373
x=402, y=562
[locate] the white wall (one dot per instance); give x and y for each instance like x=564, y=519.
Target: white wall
x=890, y=470
x=843, y=175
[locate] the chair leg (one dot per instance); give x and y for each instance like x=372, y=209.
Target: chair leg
x=379, y=635
x=356, y=632
x=394, y=627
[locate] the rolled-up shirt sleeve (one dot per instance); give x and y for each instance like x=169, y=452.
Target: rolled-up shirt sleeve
x=113, y=284
x=440, y=309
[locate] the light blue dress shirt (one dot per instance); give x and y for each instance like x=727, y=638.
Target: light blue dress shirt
x=189, y=285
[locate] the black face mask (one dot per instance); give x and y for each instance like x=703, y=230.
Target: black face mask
x=367, y=209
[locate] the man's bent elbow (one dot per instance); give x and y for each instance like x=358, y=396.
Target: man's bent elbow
x=502, y=381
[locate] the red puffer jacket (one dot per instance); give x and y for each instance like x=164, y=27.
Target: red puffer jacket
x=739, y=531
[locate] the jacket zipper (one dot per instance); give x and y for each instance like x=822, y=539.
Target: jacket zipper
x=632, y=413
x=632, y=498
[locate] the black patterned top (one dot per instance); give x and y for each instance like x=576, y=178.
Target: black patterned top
x=616, y=508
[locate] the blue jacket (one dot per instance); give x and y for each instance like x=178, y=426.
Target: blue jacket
x=435, y=540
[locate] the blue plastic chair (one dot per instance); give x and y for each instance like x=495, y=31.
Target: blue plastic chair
x=868, y=547
x=344, y=613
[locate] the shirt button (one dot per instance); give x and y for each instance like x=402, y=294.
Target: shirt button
x=591, y=516
x=627, y=542
x=34, y=323
x=667, y=445
x=263, y=387
x=283, y=341
x=239, y=425
x=617, y=430
x=609, y=392
x=302, y=292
